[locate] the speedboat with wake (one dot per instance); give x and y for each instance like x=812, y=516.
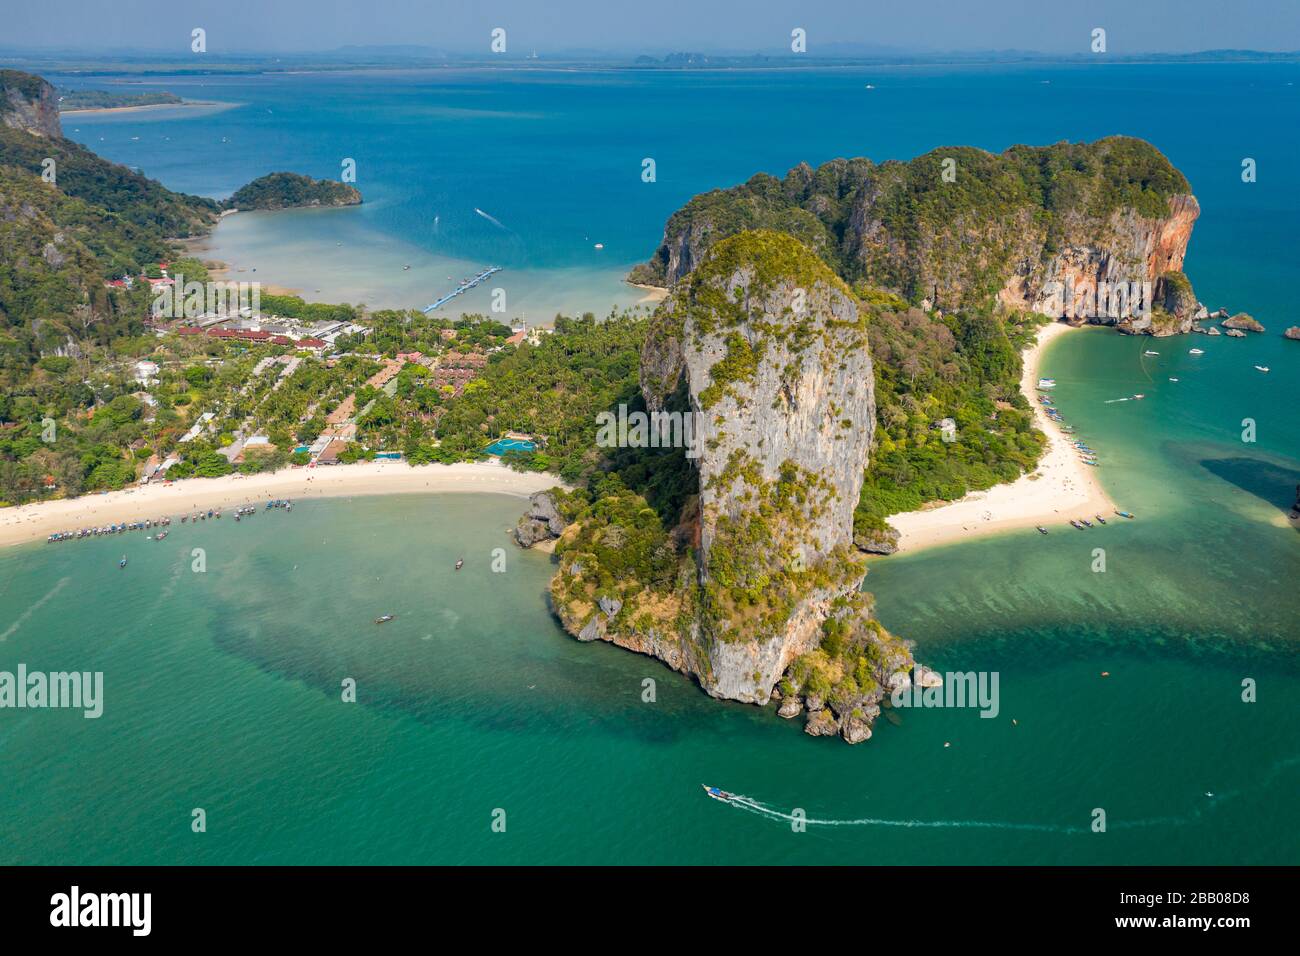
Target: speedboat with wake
x=717, y=794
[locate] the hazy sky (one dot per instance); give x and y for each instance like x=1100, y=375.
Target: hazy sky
x=620, y=26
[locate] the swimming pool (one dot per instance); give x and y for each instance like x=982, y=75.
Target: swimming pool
x=503, y=445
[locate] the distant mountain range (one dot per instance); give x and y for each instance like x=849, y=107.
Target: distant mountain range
x=407, y=56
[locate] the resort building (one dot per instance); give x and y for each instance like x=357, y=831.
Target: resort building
x=330, y=456
x=389, y=371
x=198, y=428
x=146, y=373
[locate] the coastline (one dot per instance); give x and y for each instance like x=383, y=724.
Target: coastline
x=292, y=252
x=653, y=293
x=1060, y=488
x=200, y=247
x=37, y=520
x=198, y=104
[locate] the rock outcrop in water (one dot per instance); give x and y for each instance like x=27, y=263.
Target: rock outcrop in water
x=541, y=522
x=1243, y=321
x=1033, y=227
x=765, y=347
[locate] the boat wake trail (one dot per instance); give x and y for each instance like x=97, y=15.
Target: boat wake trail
x=492, y=219
x=22, y=618
x=762, y=809
x=1213, y=802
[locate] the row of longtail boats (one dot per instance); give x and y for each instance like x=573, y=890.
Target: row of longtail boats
x=151, y=523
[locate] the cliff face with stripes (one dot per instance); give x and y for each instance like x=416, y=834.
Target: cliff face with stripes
x=766, y=349
x=774, y=358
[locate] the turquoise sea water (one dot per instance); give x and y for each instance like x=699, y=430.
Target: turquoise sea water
x=223, y=687
x=555, y=158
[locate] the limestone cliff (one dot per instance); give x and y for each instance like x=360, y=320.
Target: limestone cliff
x=764, y=346
x=29, y=103
x=1102, y=270
x=1032, y=227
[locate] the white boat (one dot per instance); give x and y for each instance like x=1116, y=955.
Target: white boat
x=1047, y=383
x=1262, y=368
x=1150, y=352
x=1173, y=379
x=1196, y=351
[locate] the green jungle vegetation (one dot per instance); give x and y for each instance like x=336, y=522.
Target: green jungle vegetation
x=288, y=190
x=102, y=99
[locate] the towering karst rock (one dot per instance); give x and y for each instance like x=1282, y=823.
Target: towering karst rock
x=762, y=345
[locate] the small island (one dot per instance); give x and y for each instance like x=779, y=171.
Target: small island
x=292, y=191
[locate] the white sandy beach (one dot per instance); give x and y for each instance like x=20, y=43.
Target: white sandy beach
x=1061, y=488
x=213, y=106
x=38, y=520
x=653, y=294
